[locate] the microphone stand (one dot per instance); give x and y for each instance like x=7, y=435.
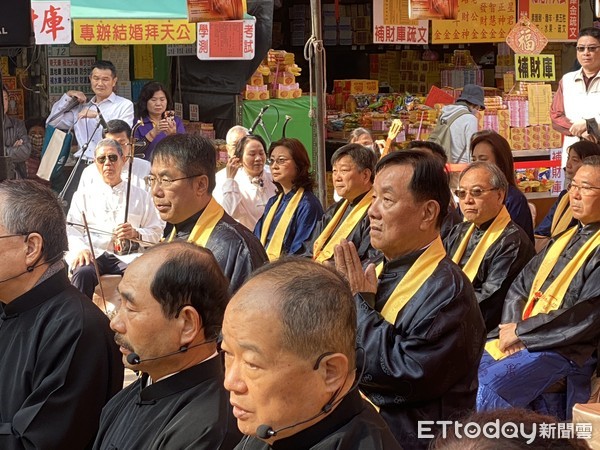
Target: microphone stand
x=84, y=148
x=89, y=236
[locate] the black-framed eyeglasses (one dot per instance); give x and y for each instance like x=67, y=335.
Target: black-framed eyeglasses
x=474, y=192
x=589, y=48
x=279, y=161
x=14, y=235
x=583, y=190
x=112, y=158
x=152, y=181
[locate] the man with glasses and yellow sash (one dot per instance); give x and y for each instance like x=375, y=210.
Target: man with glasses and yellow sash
x=489, y=247
x=418, y=318
x=353, y=173
x=549, y=329
x=181, y=181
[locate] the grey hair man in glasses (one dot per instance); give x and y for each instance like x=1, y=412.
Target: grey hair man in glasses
x=120, y=225
x=489, y=247
x=181, y=183
x=549, y=329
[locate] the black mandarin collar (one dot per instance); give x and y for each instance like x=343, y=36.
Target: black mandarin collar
x=36, y=296
x=354, y=202
x=179, y=382
x=345, y=411
x=588, y=229
x=485, y=225
x=183, y=228
x=403, y=261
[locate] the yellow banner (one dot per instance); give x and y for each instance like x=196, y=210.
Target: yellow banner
x=557, y=19
x=478, y=21
x=133, y=31
x=535, y=68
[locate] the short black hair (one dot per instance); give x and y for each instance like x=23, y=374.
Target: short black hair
x=429, y=180
x=241, y=144
x=117, y=126
x=190, y=275
x=104, y=65
x=192, y=154
x=590, y=31
x=147, y=92
x=363, y=157
x=434, y=147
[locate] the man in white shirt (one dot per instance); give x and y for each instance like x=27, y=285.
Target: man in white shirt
x=111, y=232
x=245, y=185
x=74, y=111
x=120, y=131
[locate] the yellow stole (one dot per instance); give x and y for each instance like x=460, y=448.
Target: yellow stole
x=490, y=236
x=321, y=253
x=553, y=296
x=416, y=276
x=562, y=216
x=205, y=224
x=276, y=242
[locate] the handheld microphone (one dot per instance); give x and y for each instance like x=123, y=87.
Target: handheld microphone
x=103, y=123
x=258, y=119
x=134, y=359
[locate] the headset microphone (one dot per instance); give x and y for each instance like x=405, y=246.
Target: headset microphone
x=267, y=432
x=134, y=359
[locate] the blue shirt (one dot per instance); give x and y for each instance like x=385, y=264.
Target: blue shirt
x=306, y=216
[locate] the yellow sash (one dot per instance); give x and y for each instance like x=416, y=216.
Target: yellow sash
x=276, y=242
x=416, y=276
x=562, y=216
x=490, y=236
x=205, y=224
x=553, y=296
x=321, y=254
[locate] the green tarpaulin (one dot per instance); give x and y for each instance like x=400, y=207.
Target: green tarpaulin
x=128, y=9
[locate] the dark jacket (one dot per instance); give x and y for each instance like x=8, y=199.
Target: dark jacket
x=572, y=330
x=14, y=129
x=502, y=263
x=359, y=235
x=424, y=366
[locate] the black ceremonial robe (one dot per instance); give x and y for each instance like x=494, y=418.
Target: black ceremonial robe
x=236, y=249
x=572, y=330
x=424, y=366
x=59, y=365
x=353, y=425
x=188, y=410
x=359, y=235
x=501, y=264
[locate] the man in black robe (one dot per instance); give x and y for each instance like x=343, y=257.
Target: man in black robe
x=59, y=364
x=290, y=363
x=549, y=329
x=172, y=303
x=418, y=321
x=353, y=173
x=182, y=179
x=503, y=248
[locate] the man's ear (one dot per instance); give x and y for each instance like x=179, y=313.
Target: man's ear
x=190, y=324
x=334, y=369
x=34, y=249
x=430, y=212
x=201, y=184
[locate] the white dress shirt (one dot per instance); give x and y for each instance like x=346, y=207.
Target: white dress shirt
x=104, y=209
x=241, y=197
x=114, y=107
x=141, y=168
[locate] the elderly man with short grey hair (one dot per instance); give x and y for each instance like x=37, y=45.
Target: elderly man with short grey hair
x=116, y=237
x=489, y=247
